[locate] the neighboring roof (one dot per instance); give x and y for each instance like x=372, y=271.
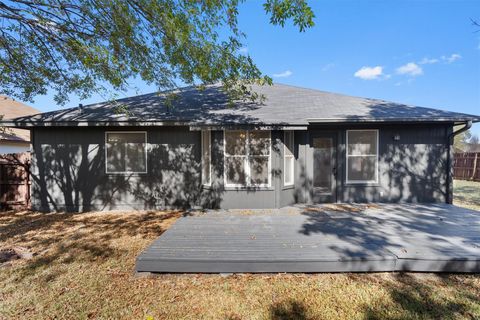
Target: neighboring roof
x=10, y=109
x=284, y=105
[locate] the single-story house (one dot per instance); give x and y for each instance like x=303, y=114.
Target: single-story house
x=201, y=149
x=14, y=140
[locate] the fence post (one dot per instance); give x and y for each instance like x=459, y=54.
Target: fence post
x=466, y=166
x=1, y=189
x=474, y=166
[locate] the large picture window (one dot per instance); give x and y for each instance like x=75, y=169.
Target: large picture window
x=206, y=158
x=362, y=156
x=126, y=152
x=247, y=158
x=288, y=158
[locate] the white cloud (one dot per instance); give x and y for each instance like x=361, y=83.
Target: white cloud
x=369, y=73
x=407, y=82
x=452, y=58
x=446, y=59
x=243, y=50
x=328, y=66
x=410, y=69
x=284, y=74
x=428, y=61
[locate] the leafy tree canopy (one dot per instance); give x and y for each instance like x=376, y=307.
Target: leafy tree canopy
x=82, y=46
x=461, y=140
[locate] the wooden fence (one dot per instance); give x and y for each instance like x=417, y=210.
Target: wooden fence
x=466, y=166
x=15, y=181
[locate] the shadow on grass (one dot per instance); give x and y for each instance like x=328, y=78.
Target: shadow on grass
x=290, y=309
x=408, y=296
x=72, y=238
x=420, y=299
x=468, y=197
x=467, y=192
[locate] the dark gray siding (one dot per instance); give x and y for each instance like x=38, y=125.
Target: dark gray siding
x=68, y=170
x=413, y=169
x=68, y=173
x=303, y=180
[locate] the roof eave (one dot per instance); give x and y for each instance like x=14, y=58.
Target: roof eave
x=390, y=120
x=15, y=141
x=198, y=124
x=32, y=124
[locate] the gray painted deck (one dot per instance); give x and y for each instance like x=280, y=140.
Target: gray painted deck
x=329, y=238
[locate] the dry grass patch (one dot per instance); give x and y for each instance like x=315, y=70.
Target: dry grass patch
x=466, y=194
x=83, y=268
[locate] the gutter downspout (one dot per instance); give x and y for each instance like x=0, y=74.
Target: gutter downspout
x=449, y=195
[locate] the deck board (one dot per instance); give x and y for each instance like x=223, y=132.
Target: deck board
x=407, y=237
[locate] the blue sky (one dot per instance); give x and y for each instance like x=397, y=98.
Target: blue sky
x=425, y=53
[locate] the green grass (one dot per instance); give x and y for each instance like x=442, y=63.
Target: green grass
x=83, y=268
x=466, y=194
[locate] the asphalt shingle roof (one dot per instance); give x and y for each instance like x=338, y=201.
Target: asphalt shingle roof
x=10, y=109
x=284, y=105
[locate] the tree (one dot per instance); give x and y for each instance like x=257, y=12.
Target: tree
x=460, y=141
x=82, y=46
x=475, y=22
x=474, y=139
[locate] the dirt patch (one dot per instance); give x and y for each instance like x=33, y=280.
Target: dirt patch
x=15, y=253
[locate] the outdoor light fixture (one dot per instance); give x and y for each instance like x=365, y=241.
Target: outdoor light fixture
x=396, y=137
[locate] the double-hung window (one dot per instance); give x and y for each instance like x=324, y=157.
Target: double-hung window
x=247, y=158
x=362, y=156
x=288, y=158
x=206, y=158
x=126, y=152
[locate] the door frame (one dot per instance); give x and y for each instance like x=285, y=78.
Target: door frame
x=334, y=135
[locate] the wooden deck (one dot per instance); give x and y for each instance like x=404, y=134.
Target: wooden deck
x=351, y=238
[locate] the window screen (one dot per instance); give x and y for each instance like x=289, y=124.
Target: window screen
x=247, y=158
x=362, y=156
x=126, y=152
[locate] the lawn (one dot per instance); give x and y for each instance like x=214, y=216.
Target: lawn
x=466, y=194
x=82, y=267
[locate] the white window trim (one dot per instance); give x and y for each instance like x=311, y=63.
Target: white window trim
x=209, y=133
x=285, y=183
x=126, y=172
x=363, y=155
x=247, y=166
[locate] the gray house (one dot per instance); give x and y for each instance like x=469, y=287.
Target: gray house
x=298, y=146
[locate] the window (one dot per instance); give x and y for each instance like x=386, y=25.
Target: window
x=247, y=158
x=288, y=158
x=206, y=158
x=362, y=156
x=126, y=152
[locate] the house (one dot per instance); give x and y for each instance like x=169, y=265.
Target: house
x=14, y=140
x=298, y=146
